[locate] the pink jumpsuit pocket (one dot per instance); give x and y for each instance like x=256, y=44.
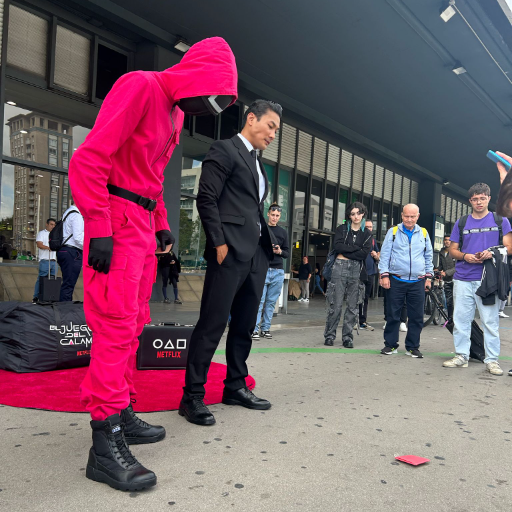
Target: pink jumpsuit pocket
x=115, y=287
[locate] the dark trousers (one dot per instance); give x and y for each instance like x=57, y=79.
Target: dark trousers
x=363, y=308
x=448, y=293
x=70, y=262
x=414, y=296
x=403, y=313
x=167, y=277
x=236, y=287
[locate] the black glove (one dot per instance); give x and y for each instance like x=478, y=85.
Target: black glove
x=165, y=238
x=100, y=253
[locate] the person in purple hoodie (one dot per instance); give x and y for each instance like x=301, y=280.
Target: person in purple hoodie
x=480, y=232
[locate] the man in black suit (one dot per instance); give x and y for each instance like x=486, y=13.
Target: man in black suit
x=232, y=188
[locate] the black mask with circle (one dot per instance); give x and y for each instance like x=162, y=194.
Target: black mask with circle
x=205, y=105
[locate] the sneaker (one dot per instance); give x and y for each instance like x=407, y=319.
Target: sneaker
x=178, y=301
x=306, y=300
x=384, y=326
x=300, y=300
x=167, y=301
x=456, y=362
x=403, y=327
x=366, y=327
x=494, y=368
x=387, y=351
x=502, y=314
x=266, y=334
x=414, y=353
x=255, y=335
x=35, y=300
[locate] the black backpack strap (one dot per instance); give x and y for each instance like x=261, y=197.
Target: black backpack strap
x=462, y=224
x=499, y=222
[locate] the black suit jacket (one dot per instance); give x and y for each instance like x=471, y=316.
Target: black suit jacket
x=228, y=201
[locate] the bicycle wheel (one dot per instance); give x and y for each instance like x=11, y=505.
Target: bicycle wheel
x=428, y=310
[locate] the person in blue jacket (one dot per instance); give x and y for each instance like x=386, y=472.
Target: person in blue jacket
x=405, y=267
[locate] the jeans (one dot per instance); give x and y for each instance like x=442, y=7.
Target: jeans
x=363, y=308
x=271, y=292
x=318, y=286
x=413, y=294
x=70, y=262
x=304, y=288
x=44, y=268
x=466, y=300
x=345, y=279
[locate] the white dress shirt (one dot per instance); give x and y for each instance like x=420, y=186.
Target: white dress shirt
x=250, y=147
x=45, y=254
x=74, y=226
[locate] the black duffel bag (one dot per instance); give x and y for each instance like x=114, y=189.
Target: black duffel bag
x=40, y=338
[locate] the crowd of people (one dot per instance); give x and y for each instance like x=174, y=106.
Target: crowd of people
x=139, y=121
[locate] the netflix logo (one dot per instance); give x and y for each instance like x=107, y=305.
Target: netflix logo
x=168, y=353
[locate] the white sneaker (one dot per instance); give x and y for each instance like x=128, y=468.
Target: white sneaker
x=502, y=314
x=494, y=368
x=300, y=300
x=456, y=362
x=306, y=300
x=403, y=327
x=384, y=326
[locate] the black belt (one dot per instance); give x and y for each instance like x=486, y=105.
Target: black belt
x=145, y=202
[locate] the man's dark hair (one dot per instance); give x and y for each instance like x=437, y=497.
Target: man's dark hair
x=50, y=219
x=446, y=236
x=273, y=205
x=504, y=203
x=260, y=108
x=479, y=188
x=360, y=206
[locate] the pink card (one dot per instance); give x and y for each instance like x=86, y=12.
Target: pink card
x=412, y=459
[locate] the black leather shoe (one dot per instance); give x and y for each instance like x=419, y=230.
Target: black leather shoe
x=329, y=343
x=137, y=431
x=246, y=398
x=110, y=460
x=348, y=344
x=195, y=411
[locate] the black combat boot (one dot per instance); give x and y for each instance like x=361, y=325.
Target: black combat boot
x=137, y=431
x=110, y=460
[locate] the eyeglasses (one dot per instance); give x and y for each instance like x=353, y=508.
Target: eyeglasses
x=479, y=199
x=276, y=209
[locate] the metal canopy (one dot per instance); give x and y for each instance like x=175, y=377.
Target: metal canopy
x=378, y=72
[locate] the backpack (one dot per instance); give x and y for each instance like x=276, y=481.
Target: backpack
x=462, y=223
x=395, y=229
x=56, y=236
x=327, y=270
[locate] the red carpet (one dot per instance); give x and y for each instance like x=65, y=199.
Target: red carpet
x=157, y=390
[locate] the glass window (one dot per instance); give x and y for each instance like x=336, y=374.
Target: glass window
x=229, y=124
x=111, y=64
x=283, y=195
x=397, y=218
x=28, y=198
x=315, y=205
x=375, y=217
x=342, y=205
x=269, y=169
x=38, y=144
x=190, y=174
x=356, y=196
x=192, y=238
x=205, y=126
x=330, y=194
x=300, y=200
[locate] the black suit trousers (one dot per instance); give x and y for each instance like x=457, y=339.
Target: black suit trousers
x=236, y=287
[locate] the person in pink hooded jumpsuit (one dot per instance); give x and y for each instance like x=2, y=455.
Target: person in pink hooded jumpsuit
x=116, y=179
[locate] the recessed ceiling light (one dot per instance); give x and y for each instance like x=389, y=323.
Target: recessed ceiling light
x=11, y=103
x=459, y=70
x=448, y=13
x=182, y=45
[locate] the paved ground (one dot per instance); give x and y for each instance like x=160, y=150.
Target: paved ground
x=339, y=416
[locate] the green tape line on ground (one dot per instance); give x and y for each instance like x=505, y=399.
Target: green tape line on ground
x=288, y=350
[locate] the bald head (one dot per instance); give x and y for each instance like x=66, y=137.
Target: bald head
x=410, y=215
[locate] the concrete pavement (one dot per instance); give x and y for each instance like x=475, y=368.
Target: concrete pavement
x=339, y=417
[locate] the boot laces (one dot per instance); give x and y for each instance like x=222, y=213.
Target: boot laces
x=123, y=452
x=139, y=422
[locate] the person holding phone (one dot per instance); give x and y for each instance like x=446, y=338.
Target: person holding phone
x=275, y=273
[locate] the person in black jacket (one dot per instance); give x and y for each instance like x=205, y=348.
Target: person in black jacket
x=447, y=268
x=170, y=269
x=232, y=191
x=352, y=243
x=275, y=273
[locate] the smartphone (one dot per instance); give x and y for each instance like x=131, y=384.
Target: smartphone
x=491, y=155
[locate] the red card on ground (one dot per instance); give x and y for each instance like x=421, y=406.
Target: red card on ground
x=412, y=459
